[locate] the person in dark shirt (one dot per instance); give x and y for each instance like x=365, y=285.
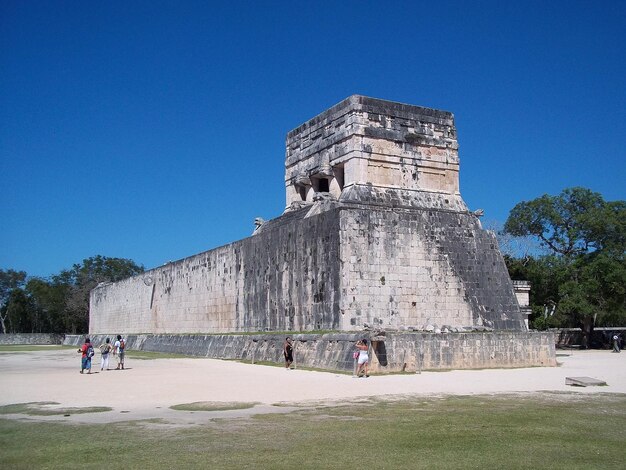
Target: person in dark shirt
x=288, y=352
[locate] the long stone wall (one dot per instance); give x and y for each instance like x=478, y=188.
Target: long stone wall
x=285, y=278
x=31, y=338
x=397, y=352
x=333, y=266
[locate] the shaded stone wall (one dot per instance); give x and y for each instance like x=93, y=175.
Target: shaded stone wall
x=470, y=350
x=285, y=278
x=401, y=352
x=31, y=338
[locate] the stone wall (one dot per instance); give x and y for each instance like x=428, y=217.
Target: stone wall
x=404, y=267
x=31, y=338
x=332, y=266
x=367, y=140
x=522, y=293
x=397, y=352
x=286, y=278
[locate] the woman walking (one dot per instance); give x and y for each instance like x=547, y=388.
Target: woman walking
x=105, y=349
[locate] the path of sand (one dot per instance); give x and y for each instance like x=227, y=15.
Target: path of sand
x=149, y=387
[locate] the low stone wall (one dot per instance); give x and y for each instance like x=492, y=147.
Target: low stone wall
x=31, y=338
x=393, y=352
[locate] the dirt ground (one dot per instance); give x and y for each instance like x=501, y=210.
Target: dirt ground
x=147, y=388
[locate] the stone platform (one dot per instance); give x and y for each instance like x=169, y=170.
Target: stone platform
x=391, y=353
x=584, y=382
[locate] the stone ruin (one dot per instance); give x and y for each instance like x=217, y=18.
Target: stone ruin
x=375, y=241
x=375, y=235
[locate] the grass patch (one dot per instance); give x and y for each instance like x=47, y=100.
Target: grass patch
x=559, y=431
x=42, y=408
x=212, y=406
x=24, y=408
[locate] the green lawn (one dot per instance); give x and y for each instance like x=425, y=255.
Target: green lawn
x=212, y=406
x=48, y=408
x=556, y=431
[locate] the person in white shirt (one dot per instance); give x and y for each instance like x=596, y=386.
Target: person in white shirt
x=118, y=350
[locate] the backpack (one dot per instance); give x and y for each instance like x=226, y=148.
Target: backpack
x=122, y=344
x=90, y=351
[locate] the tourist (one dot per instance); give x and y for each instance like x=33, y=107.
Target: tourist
x=361, y=345
x=118, y=350
x=288, y=352
x=105, y=349
x=87, y=353
x=616, y=343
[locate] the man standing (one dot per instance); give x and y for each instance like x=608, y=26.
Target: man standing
x=118, y=350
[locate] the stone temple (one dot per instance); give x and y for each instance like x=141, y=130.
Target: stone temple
x=374, y=235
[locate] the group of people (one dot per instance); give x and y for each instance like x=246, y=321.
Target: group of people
x=360, y=355
x=87, y=352
x=117, y=349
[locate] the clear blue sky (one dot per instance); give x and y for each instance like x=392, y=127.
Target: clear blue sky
x=155, y=130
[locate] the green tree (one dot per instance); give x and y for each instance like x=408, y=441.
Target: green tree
x=595, y=291
x=20, y=315
x=10, y=280
x=585, y=274
x=568, y=224
x=48, y=302
x=59, y=304
x=82, y=278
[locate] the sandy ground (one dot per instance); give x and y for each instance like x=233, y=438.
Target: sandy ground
x=147, y=388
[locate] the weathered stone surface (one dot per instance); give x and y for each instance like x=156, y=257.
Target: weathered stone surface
x=522, y=293
x=31, y=338
x=370, y=141
x=376, y=235
x=584, y=382
x=286, y=277
x=397, y=352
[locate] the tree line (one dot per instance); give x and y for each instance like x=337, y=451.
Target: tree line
x=578, y=280
x=60, y=303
